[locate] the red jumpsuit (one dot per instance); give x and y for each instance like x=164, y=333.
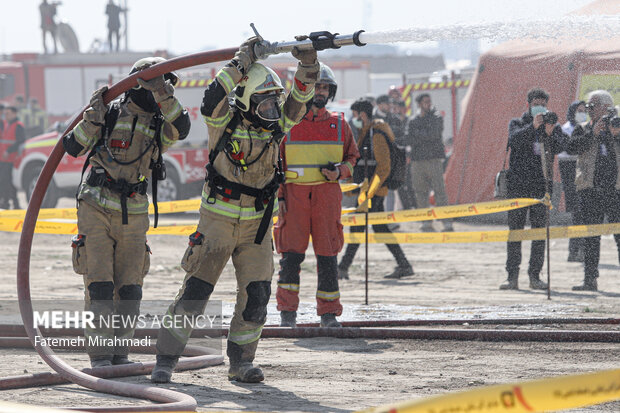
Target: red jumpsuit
x=313, y=206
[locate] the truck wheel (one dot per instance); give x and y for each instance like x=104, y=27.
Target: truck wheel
x=170, y=188
x=30, y=179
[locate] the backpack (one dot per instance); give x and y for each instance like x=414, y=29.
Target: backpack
x=398, y=164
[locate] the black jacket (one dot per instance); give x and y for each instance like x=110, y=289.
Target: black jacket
x=423, y=134
x=596, y=167
x=397, y=125
x=525, y=174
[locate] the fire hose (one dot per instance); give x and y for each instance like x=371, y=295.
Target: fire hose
x=13, y=336
x=95, y=379
x=172, y=400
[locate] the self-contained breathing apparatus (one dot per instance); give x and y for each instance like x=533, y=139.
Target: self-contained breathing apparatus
x=99, y=177
x=218, y=184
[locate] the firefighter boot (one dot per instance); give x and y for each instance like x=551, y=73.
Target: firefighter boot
x=162, y=372
x=241, y=367
x=536, y=283
x=121, y=359
x=512, y=283
x=329, y=320
x=103, y=361
x=288, y=319
x=169, y=348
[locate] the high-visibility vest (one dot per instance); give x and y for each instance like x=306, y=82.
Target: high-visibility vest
x=8, y=139
x=310, y=145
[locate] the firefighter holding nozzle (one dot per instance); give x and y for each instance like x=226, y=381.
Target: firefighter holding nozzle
x=238, y=200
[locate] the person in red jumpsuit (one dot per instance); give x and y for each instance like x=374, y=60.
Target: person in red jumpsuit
x=317, y=152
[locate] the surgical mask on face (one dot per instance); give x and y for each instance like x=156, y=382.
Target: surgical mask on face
x=357, y=122
x=581, y=117
x=535, y=110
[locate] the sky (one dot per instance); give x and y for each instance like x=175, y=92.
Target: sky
x=187, y=26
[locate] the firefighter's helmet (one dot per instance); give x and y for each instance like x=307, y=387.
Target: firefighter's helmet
x=150, y=61
x=258, y=80
x=326, y=75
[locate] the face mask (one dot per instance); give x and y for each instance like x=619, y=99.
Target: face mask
x=144, y=99
x=535, y=110
x=581, y=117
x=357, y=122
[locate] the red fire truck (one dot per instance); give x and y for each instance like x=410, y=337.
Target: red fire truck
x=63, y=84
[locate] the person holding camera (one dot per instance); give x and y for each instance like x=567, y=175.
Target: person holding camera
x=535, y=133
x=597, y=182
x=317, y=152
x=568, y=166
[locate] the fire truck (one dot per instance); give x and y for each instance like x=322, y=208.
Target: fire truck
x=63, y=84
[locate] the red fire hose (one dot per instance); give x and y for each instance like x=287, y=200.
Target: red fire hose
x=171, y=400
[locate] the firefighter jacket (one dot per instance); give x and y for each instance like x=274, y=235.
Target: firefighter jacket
x=13, y=136
x=598, y=160
x=251, y=140
x=131, y=139
x=374, y=147
x=315, y=142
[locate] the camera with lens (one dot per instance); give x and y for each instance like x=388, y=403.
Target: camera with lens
x=611, y=118
x=550, y=118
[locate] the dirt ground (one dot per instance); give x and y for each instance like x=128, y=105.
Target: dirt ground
x=455, y=281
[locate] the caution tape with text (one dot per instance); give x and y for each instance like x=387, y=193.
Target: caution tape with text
x=374, y=218
x=558, y=393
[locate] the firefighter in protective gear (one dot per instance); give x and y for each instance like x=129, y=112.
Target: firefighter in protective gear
x=317, y=153
x=238, y=200
x=12, y=138
x=125, y=140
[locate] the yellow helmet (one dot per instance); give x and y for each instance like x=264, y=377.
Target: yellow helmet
x=258, y=79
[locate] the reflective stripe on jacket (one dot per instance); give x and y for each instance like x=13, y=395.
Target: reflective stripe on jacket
x=9, y=137
x=252, y=141
x=311, y=145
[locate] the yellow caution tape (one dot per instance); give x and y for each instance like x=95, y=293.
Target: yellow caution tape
x=558, y=393
x=170, y=207
x=576, y=231
x=450, y=211
x=71, y=213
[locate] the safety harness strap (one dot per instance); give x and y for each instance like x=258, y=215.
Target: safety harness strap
x=98, y=177
x=218, y=184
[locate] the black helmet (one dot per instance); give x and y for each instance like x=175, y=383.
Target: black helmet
x=326, y=75
x=150, y=61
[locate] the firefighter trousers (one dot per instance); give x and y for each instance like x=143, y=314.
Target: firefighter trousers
x=113, y=259
x=217, y=239
x=311, y=211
